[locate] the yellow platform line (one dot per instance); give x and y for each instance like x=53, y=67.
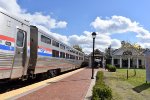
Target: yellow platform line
x=16, y=92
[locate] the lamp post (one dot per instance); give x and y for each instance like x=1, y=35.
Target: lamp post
x=93, y=36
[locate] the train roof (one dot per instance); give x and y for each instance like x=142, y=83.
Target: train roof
x=14, y=17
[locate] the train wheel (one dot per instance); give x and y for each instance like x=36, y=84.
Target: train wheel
x=49, y=74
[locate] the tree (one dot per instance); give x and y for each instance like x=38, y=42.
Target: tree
x=108, y=54
x=77, y=47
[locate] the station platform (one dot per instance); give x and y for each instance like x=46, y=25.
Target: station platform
x=75, y=85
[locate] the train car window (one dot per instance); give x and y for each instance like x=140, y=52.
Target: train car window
x=55, y=43
x=67, y=56
x=67, y=48
x=55, y=53
x=79, y=58
x=62, y=46
x=70, y=50
x=20, y=38
x=72, y=57
x=62, y=55
x=76, y=57
x=45, y=39
x=80, y=54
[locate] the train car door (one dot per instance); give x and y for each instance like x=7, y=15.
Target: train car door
x=33, y=49
x=20, y=54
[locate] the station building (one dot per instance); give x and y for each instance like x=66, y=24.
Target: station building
x=128, y=56
x=99, y=58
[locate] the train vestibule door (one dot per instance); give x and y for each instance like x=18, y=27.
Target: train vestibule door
x=20, y=54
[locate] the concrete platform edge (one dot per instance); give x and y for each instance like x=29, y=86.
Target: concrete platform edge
x=88, y=95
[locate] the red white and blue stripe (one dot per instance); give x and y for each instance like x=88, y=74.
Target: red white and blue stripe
x=3, y=46
x=42, y=51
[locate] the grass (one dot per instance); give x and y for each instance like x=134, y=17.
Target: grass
x=134, y=88
x=138, y=80
x=135, y=80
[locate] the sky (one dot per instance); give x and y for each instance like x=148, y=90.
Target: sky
x=73, y=21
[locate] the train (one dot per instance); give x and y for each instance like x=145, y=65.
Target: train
x=27, y=51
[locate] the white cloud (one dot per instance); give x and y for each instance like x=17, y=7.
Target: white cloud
x=39, y=19
x=61, y=24
x=102, y=41
x=44, y=22
x=36, y=18
x=121, y=25
x=117, y=24
x=115, y=43
x=11, y=6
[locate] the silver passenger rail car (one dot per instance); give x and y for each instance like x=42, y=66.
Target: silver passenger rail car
x=51, y=56
x=14, y=39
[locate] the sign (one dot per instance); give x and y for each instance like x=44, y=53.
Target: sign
x=127, y=53
x=147, y=59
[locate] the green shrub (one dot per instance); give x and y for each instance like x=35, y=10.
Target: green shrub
x=112, y=68
x=84, y=64
x=107, y=66
x=99, y=76
x=101, y=91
